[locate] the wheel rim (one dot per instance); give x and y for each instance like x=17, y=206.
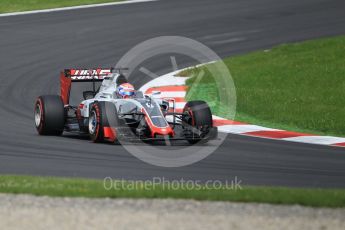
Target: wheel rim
x=93, y=123
x=188, y=117
x=38, y=115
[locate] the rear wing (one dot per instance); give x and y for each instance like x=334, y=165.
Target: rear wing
x=80, y=75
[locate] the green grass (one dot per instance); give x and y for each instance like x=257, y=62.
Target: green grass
x=298, y=87
x=62, y=187
x=7, y=6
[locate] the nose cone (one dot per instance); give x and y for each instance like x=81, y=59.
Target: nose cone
x=168, y=131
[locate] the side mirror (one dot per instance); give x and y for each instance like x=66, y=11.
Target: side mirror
x=156, y=94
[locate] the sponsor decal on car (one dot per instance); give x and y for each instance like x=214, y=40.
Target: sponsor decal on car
x=89, y=74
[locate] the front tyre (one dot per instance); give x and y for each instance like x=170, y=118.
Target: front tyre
x=49, y=115
x=102, y=122
x=198, y=119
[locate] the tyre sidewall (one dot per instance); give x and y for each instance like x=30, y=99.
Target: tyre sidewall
x=106, y=115
x=200, y=117
x=41, y=106
x=52, y=115
x=98, y=135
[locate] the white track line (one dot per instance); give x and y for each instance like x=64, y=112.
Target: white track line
x=240, y=129
x=73, y=8
x=325, y=140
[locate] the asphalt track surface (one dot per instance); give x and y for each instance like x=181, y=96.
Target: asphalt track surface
x=34, y=48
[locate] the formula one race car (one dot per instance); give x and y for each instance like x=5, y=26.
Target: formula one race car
x=107, y=117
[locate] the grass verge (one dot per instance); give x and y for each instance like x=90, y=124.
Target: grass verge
x=298, y=87
x=7, y=6
x=67, y=187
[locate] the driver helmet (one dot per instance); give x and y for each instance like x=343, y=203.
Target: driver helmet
x=125, y=90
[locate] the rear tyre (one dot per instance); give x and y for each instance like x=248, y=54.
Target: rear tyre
x=49, y=115
x=102, y=115
x=197, y=115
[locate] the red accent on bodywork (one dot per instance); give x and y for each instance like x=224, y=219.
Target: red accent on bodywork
x=65, y=88
x=109, y=133
x=164, y=131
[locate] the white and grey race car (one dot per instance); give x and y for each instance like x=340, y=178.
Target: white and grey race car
x=107, y=118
